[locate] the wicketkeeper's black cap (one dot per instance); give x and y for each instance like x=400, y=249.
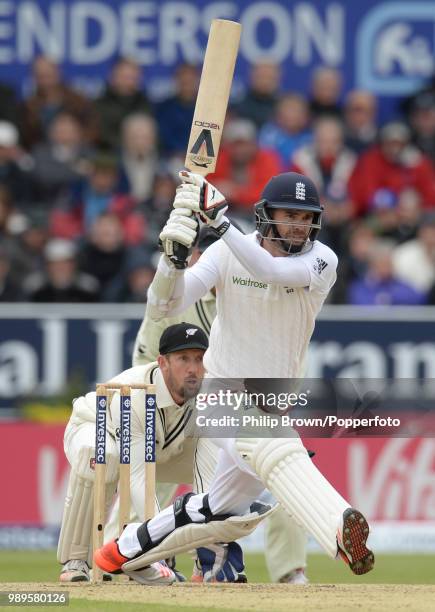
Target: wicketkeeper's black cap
x=182, y=336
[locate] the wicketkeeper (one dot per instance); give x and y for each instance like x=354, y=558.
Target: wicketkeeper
x=177, y=375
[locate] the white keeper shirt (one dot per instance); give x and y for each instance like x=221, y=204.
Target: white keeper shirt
x=262, y=329
x=171, y=419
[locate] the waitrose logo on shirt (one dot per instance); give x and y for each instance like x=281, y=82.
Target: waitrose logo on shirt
x=248, y=282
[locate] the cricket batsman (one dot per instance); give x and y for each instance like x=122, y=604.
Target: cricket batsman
x=262, y=330
x=285, y=546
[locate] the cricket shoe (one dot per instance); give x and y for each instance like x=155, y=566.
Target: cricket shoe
x=351, y=542
x=197, y=573
x=171, y=564
x=154, y=574
x=75, y=570
x=297, y=576
x=109, y=559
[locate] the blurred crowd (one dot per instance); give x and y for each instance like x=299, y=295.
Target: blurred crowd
x=86, y=184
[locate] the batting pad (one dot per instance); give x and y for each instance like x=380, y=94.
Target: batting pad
x=76, y=529
x=287, y=471
x=195, y=535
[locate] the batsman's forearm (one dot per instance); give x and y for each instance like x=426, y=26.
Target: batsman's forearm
x=161, y=293
x=261, y=264
x=146, y=346
x=173, y=291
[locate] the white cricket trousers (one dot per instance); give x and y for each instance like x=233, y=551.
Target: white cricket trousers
x=235, y=484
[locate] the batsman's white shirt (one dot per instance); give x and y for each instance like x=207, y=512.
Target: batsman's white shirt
x=262, y=329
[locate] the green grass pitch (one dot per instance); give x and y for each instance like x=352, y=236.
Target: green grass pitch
x=35, y=566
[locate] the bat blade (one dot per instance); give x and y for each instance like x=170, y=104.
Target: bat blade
x=213, y=94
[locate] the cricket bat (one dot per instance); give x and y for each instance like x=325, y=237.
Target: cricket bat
x=213, y=95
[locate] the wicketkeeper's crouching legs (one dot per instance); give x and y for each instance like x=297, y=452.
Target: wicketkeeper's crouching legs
x=245, y=468
x=74, y=548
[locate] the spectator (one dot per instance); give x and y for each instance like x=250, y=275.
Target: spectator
x=62, y=282
x=51, y=96
x=258, y=104
x=408, y=215
x=139, y=155
x=431, y=297
x=8, y=105
x=326, y=85
x=353, y=265
x=414, y=261
x=123, y=96
x=408, y=102
x=397, y=217
x=30, y=242
x=9, y=290
x=289, y=129
x=14, y=167
x=380, y=286
x=393, y=165
x=329, y=164
x=104, y=253
x=157, y=208
x=243, y=168
x=8, y=216
x=138, y=275
x=174, y=114
x=360, y=111
x=422, y=120
x=60, y=161
x=91, y=197
x=22, y=237
x=326, y=161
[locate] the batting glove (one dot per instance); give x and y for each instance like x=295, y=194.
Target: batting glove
x=202, y=198
x=221, y=563
x=178, y=237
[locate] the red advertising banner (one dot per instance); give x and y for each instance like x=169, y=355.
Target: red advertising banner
x=388, y=479
x=33, y=475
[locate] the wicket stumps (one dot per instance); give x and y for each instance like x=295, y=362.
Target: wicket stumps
x=102, y=399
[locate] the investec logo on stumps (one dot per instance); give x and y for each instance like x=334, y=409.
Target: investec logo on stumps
x=100, y=445
x=150, y=421
x=125, y=434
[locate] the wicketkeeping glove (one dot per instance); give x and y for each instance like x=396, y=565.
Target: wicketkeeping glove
x=178, y=236
x=202, y=198
x=221, y=562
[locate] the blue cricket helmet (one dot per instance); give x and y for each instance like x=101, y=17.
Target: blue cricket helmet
x=288, y=191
